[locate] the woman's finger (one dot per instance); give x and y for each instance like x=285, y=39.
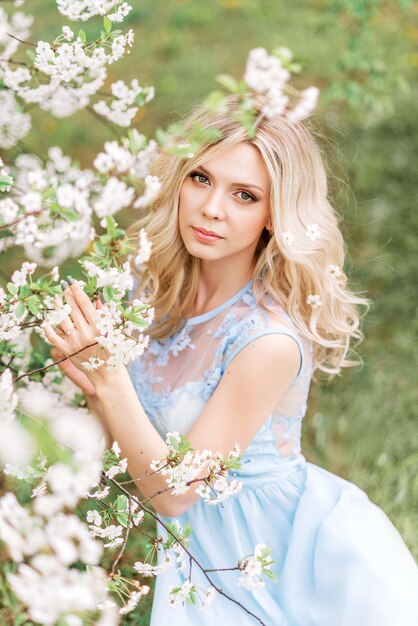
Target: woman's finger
x=77, y=315
x=66, y=326
x=55, y=339
x=84, y=303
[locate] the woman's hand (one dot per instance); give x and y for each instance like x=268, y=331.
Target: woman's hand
x=75, y=338
x=73, y=373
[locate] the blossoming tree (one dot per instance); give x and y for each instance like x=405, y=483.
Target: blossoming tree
x=53, y=451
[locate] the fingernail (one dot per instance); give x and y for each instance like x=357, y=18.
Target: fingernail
x=64, y=285
x=70, y=279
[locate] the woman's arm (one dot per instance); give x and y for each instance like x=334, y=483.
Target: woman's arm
x=248, y=391
x=95, y=407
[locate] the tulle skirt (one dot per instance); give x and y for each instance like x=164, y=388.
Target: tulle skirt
x=338, y=558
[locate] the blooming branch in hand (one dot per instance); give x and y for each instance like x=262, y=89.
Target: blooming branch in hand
x=183, y=466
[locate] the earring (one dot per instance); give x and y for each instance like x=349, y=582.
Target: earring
x=269, y=228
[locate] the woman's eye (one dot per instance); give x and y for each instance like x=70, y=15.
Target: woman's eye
x=248, y=196
x=198, y=177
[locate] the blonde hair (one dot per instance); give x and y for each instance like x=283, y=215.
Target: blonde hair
x=288, y=273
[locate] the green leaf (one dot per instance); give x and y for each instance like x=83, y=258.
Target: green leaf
x=108, y=293
x=121, y=503
x=82, y=35
x=33, y=304
x=228, y=82
x=270, y=574
x=70, y=215
x=31, y=55
x=12, y=288
x=20, y=310
x=122, y=519
x=107, y=24
x=215, y=101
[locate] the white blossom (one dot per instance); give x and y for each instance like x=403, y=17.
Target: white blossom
x=18, y=24
x=8, y=398
x=85, y=9
x=264, y=71
x=114, y=196
x=144, y=251
x=67, y=33
x=305, y=105
x=335, y=271
x=14, y=123
x=152, y=189
x=314, y=300
x=288, y=237
x=209, y=597
x=313, y=232
x=116, y=449
x=121, y=110
x=122, y=11
x=134, y=599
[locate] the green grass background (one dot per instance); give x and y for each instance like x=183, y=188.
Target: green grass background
x=362, y=426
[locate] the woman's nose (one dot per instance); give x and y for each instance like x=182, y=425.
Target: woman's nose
x=213, y=205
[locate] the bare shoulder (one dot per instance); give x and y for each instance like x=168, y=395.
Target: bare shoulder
x=269, y=354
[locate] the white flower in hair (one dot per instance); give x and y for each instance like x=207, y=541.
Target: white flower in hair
x=313, y=232
x=288, y=238
x=335, y=270
x=314, y=300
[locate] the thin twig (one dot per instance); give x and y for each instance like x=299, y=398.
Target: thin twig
x=28, y=43
x=41, y=369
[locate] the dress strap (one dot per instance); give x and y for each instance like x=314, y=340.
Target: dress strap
x=278, y=330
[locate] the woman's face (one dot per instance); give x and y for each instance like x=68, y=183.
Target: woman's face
x=229, y=196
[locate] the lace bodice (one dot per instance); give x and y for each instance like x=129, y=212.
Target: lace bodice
x=176, y=376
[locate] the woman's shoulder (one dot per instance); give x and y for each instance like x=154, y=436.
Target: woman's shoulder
x=253, y=318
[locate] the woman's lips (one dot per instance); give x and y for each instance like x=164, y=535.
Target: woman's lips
x=201, y=236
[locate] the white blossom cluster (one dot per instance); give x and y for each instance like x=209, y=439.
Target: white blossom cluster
x=120, y=280
x=10, y=321
x=111, y=532
x=8, y=399
x=14, y=123
x=44, y=538
x=122, y=349
x=182, y=469
x=18, y=24
x=178, y=594
x=255, y=566
x=114, y=196
x=120, y=111
x=85, y=9
x=132, y=157
x=116, y=333
x=45, y=549
x=267, y=75
x=74, y=70
x=53, y=208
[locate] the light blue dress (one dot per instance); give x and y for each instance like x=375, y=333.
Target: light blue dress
x=339, y=560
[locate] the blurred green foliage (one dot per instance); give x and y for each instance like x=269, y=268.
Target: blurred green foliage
x=362, y=54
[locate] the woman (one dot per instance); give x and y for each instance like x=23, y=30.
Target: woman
x=246, y=279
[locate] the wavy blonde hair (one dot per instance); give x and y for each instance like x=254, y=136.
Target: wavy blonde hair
x=288, y=273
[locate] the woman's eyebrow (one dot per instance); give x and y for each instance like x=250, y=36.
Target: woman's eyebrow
x=234, y=184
